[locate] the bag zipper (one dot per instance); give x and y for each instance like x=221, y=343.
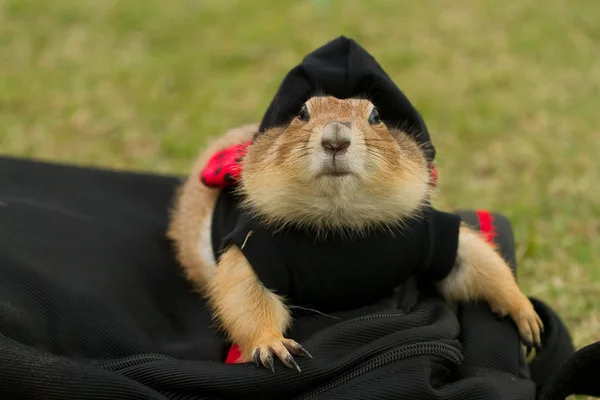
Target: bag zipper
x=443, y=350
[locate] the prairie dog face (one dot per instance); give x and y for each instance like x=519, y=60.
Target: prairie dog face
x=335, y=166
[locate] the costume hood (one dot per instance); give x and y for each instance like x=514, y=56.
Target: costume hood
x=343, y=69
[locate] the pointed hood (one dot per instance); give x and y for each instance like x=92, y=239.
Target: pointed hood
x=343, y=69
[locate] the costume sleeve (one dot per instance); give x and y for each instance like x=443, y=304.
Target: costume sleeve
x=262, y=254
x=442, y=230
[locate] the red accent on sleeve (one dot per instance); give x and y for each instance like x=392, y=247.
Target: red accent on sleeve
x=233, y=355
x=224, y=167
x=486, y=225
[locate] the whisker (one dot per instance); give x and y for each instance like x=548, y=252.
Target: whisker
x=402, y=164
x=380, y=140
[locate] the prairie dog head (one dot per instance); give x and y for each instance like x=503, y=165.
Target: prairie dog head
x=336, y=166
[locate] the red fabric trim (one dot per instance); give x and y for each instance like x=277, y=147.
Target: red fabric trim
x=486, y=225
x=224, y=167
x=234, y=355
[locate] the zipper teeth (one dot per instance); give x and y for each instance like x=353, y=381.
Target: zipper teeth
x=121, y=363
x=415, y=349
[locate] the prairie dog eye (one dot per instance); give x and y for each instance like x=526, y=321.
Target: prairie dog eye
x=374, y=117
x=303, y=114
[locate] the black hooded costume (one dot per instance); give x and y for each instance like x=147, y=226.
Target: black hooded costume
x=339, y=272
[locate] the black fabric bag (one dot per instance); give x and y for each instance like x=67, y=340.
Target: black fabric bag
x=93, y=306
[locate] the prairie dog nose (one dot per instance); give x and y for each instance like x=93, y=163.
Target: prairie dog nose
x=336, y=137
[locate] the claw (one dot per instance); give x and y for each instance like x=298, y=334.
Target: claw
x=268, y=362
x=305, y=352
x=298, y=350
x=282, y=348
x=256, y=357
x=291, y=363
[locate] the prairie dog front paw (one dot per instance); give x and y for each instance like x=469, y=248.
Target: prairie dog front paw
x=284, y=349
x=529, y=324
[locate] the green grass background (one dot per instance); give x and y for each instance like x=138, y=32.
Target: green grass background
x=509, y=89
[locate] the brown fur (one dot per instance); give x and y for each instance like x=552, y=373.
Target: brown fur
x=482, y=274
x=192, y=211
x=281, y=183
x=254, y=317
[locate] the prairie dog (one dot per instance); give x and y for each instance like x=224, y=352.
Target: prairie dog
x=333, y=176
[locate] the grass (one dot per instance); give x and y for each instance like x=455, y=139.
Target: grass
x=510, y=91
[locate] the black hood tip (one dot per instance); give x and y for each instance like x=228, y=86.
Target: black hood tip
x=343, y=69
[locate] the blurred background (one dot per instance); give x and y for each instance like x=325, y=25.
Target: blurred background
x=510, y=91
